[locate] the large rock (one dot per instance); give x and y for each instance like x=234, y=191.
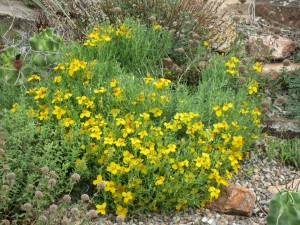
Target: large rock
x=266, y=47
x=234, y=200
x=18, y=14
x=285, y=13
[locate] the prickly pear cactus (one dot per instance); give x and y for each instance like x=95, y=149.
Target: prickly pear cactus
x=45, y=46
x=8, y=72
x=284, y=208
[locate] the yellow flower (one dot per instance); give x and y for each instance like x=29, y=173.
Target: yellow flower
x=127, y=196
x=115, y=112
x=110, y=186
x=171, y=147
x=113, y=82
x=85, y=113
x=101, y=208
x=237, y=141
x=68, y=121
x=206, y=43
x=58, y=111
x=226, y=137
x=203, y=161
x=156, y=112
x=162, y=82
x=113, y=168
x=40, y=93
x=120, y=142
x=148, y=79
x=101, y=90
x=231, y=71
x=120, y=121
x=253, y=87
x=67, y=95
x=59, y=66
x=218, y=110
x=34, y=77
x=57, y=79
x=143, y=133
x=214, y=192
x=14, y=108
x=227, y=106
x=256, y=111
x=43, y=115
x=257, y=67
x=145, y=116
x=105, y=38
x=81, y=99
x=159, y=180
x=235, y=125
x=95, y=132
x=121, y=211
x=98, y=180
x=157, y=27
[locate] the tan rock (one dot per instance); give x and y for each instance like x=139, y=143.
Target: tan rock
x=274, y=70
x=270, y=47
x=293, y=185
x=234, y=200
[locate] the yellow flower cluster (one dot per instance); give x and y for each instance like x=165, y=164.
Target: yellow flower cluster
x=101, y=35
x=131, y=143
x=232, y=65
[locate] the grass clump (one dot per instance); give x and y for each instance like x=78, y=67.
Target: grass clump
x=288, y=151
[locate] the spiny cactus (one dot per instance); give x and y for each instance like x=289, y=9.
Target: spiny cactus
x=45, y=46
x=8, y=72
x=284, y=208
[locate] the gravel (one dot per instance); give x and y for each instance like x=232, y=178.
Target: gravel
x=256, y=174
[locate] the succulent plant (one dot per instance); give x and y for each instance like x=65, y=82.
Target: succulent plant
x=45, y=46
x=8, y=72
x=284, y=208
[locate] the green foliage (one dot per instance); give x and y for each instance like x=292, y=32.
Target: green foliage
x=284, y=208
x=192, y=23
x=293, y=99
x=30, y=146
x=129, y=44
x=288, y=151
x=45, y=47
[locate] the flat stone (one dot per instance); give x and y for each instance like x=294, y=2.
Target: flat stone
x=281, y=127
x=235, y=200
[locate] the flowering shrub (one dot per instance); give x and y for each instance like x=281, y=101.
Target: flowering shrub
x=147, y=144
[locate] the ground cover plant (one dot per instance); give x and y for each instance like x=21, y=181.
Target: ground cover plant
x=105, y=120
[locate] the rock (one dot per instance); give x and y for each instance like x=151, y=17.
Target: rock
x=273, y=70
x=234, y=200
x=293, y=185
x=23, y=15
x=264, y=47
x=285, y=13
x=281, y=127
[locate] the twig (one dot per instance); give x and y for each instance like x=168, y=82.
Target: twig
x=262, y=209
